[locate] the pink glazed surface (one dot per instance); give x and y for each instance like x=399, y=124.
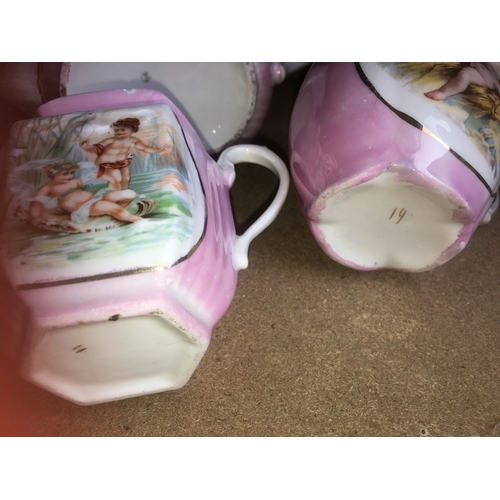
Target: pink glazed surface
x=341, y=131
x=195, y=293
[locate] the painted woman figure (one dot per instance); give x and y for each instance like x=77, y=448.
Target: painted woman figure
x=115, y=154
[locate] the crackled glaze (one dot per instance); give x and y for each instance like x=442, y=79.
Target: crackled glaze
x=388, y=174
x=133, y=312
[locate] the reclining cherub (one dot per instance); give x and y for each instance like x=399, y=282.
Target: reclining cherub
x=67, y=194
x=476, y=73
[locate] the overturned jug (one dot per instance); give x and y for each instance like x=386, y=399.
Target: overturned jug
x=396, y=164
x=118, y=240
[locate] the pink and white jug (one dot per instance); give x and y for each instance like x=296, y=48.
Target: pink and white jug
x=396, y=164
x=119, y=243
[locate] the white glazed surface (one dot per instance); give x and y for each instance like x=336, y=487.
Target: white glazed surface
x=223, y=101
x=112, y=360
x=386, y=223
x=226, y=102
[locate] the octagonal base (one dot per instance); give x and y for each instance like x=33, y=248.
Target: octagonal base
x=111, y=360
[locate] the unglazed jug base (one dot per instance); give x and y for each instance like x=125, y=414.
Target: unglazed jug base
x=389, y=222
x=99, y=362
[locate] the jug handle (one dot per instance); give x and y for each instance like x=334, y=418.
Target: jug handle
x=260, y=156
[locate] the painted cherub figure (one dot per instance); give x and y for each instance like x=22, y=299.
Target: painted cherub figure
x=477, y=73
x=64, y=191
x=115, y=154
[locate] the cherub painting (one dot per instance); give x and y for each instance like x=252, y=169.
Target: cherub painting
x=64, y=194
x=115, y=154
x=467, y=92
x=94, y=185
x=474, y=73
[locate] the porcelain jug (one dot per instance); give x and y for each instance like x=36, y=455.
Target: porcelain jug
x=396, y=164
x=118, y=241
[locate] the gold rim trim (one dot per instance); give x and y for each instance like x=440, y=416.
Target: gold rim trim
x=96, y=277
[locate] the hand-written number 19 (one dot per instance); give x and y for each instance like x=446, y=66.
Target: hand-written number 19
x=400, y=214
